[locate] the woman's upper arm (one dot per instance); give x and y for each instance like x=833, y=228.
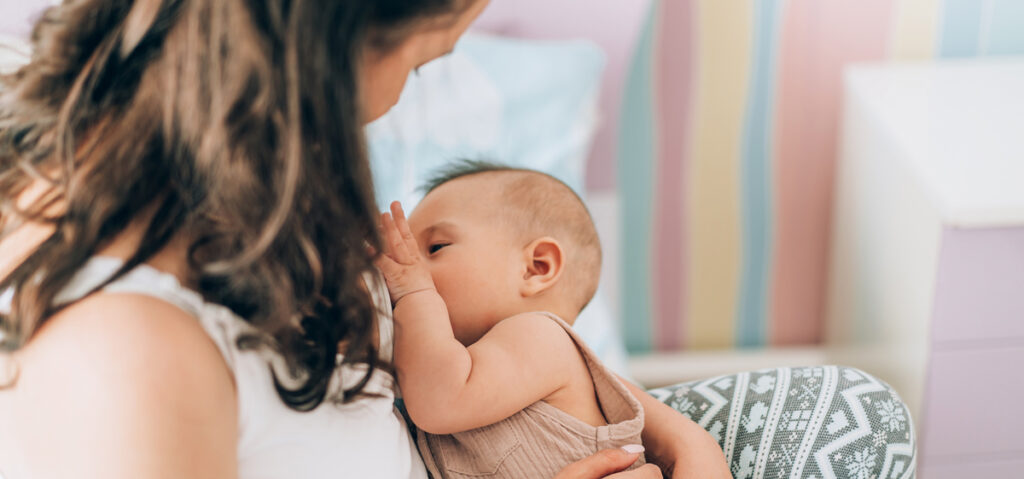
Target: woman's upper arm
x=120, y=386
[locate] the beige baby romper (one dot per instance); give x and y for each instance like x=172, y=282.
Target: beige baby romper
x=541, y=440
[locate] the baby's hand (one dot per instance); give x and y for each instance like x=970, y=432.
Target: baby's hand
x=401, y=264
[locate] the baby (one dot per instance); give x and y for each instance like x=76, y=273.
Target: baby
x=486, y=277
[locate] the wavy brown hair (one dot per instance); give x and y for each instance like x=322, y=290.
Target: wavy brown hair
x=234, y=124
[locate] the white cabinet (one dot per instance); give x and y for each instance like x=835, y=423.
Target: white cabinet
x=928, y=252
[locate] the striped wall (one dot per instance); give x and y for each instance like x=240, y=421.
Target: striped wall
x=727, y=154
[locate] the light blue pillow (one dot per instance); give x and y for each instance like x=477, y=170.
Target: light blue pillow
x=518, y=102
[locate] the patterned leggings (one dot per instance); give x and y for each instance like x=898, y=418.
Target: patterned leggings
x=823, y=422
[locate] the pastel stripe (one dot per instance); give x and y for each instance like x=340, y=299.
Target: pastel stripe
x=757, y=178
x=637, y=155
x=961, y=28
x=675, y=58
x=1004, y=34
x=723, y=71
x=819, y=39
x=728, y=222
x=915, y=29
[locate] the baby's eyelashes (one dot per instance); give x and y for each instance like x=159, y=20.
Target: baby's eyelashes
x=434, y=248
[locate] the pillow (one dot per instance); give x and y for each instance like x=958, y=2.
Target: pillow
x=524, y=103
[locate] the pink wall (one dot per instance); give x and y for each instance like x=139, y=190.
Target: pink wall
x=818, y=40
x=614, y=25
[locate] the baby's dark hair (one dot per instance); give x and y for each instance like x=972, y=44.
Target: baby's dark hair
x=541, y=205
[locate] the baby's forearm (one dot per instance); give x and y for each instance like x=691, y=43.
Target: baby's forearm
x=432, y=365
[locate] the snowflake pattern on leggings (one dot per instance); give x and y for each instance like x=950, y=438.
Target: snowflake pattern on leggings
x=824, y=422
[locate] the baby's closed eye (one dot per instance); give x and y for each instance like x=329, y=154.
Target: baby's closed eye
x=434, y=248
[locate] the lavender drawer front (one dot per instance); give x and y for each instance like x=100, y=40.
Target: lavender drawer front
x=979, y=293
x=980, y=469
x=973, y=404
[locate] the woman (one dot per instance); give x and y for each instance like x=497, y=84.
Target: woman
x=186, y=214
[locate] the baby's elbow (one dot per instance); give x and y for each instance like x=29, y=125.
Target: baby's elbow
x=433, y=420
x=437, y=428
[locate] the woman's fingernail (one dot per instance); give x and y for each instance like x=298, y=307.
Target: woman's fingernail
x=633, y=448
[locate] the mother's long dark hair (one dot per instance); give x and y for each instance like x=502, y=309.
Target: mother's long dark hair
x=232, y=123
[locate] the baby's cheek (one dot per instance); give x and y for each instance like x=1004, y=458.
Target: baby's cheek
x=442, y=283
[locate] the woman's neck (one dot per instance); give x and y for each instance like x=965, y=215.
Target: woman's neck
x=171, y=259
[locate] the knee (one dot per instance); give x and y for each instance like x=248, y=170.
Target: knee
x=886, y=399
x=884, y=406
x=889, y=447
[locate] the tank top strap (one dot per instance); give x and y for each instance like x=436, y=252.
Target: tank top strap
x=584, y=349
x=143, y=280
x=220, y=323
x=223, y=326
x=621, y=409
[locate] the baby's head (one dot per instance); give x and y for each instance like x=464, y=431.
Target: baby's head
x=500, y=241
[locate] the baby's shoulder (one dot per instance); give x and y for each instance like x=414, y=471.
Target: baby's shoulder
x=537, y=330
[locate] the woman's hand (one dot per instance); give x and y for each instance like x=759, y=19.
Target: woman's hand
x=401, y=264
x=682, y=448
x=607, y=464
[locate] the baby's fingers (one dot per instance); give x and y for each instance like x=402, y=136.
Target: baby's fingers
x=403, y=224
x=393, y=239
x=387, y=266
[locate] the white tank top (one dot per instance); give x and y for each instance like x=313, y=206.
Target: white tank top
x=367, y=438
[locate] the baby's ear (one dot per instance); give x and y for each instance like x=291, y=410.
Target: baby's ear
x=545, y=261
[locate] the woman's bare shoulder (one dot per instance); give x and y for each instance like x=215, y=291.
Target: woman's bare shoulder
x=120, y=326
x=126, y=372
